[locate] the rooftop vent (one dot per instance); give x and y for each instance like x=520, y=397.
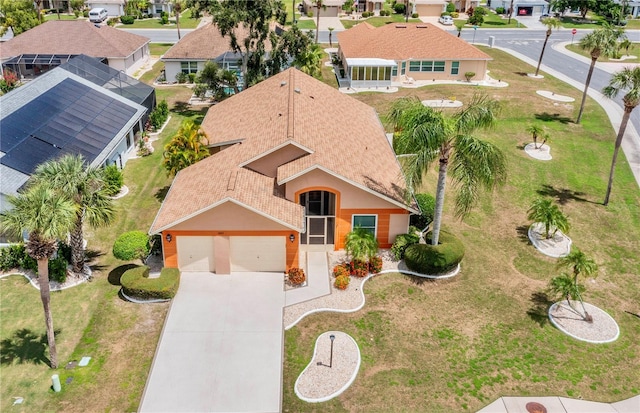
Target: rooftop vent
x=422, y=26
x=401, y=26
x=283, y=83
x=297, y=90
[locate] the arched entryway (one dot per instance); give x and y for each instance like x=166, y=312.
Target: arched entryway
x=320, y=218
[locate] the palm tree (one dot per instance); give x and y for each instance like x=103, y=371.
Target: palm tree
x=510, y=12
x=85, y=186
x=601, y=42
x=360, y=244
x=535, y=131
x=579, y=264
x=187, y=147
x=331, y=32
x=545, y=211
x=46, y=216
x=551, y=24
x=309, y=61
x=318, y=6
x=177, y=9
x=625, y=44
x=563, y=285
x=423, y=134
x=627, y=79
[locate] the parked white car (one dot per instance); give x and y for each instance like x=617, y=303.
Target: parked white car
x=446, y=20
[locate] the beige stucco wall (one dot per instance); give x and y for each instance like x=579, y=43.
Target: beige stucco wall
x=172, y=68
x=479, y=67
x=268, y=165
x=350, y=197
x=433, y=10
x=229, y=217
x=398, y=224
x=221, y=255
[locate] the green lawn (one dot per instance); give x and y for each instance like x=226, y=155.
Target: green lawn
x=186, y=22
x=457, y=345
x=307, y=24
x=493, y=21
x=634, y=50
x=158, y=49
x=54, y=16
x=378, y=21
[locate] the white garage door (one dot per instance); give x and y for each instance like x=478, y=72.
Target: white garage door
x=258, y=253
x=195, y=253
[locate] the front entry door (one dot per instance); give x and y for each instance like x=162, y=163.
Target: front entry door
x=320, y=217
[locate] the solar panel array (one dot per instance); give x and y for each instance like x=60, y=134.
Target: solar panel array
x=69, y=118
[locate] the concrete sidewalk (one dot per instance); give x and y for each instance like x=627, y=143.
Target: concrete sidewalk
x=561, y=405
x=318, y=282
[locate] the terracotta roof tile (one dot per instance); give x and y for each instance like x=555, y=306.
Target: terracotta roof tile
x=405, y=41
x=73, y=37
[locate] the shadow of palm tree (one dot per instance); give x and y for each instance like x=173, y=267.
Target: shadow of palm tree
x=523, y=233
x=562, y=195
x=520, y=73
x=161, y=193
x=548, y=117
x=540, y=308
x=24, y=346
x=115, y=274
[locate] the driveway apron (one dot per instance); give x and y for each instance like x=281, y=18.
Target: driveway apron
x=221, y=346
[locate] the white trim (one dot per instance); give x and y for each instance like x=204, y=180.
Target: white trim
x=565, y=331
x=342, y=178
x=275, y=148
x=375, y=226
x=231, y=142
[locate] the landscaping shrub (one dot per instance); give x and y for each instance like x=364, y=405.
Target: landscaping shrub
x=113, y=180
x=137, y=284
x=399, y=8
x=357, y=265
x=435, y=259
x=500, y=10
x=445, y=13
x=111, y=21
x=427, y=204
x=342, y=282
x=192, y=77
x=181, y=77
x=469, y=75
x=401, y=243
x=415, y=15
x=375, y=264
x=12, y=257
x=296, y=276
x=309, y=13
x=15, y=256
x=451, y=7
x=361, y=272
x=164, y=17
x=454, y=14
x=85, y=13
x=131, y=245
x=159, y=115
x=385, y=13
x=341, y=269
x=127, y=19
x=58, y=269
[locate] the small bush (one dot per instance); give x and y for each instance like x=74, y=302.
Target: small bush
x=385, y=13
x=76, y=13
x=415, y=15
x=296, y=276
x=12, y=257
x=342, y=282
x=455, y=14
x=137, y=284
x=309, y=13
x=451, y=7
x=192, y=77
x=159, y=115
x=113, y=180
x=500, y=10
x=427, y=205
x=445, y=13
x=58, y=269
x=356, y=265
x=469, y=75
x=164, y=18
x=85, y=13
x=341, y=269
x=15, y=256
x=399, y=8
x=401, y=243
x=181, y=77
x=131, y=245
x=112, y=21
x=361, y=272
x=435, y=259
x=375, y=264
x=127, y=19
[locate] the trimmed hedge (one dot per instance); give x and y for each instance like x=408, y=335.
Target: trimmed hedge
x=131, y=245
x=438, y=259
x=427, y=204
x=127, y=19
x=137, y=284
x=401, y=243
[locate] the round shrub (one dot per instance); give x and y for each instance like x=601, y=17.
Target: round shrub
x=341, y=269
x=296, y=276
x=137, y=284
x=451, y=7
x=401, y=243
x=360, y=272
x=358, y=265
x=415, y=15
x=127, y=19
x=375, y=264
x=309, y=13
x=131, y=245
x=341, y=282
x=455, y=15
x=435, y=259
x=399, y=8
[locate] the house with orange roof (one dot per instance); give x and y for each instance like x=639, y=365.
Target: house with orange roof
x=296, y=166
x=398, y=53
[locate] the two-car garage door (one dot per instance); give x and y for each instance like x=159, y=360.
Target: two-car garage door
x=246, y=253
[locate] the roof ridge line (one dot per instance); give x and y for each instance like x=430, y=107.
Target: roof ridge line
x=290, y=108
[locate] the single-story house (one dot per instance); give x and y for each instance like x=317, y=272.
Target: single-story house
x=464, y=5
x=428, y=7
x=329, y=8
x=115, y=8
x=56, y=41
x=397, y=52
x=194, y=50
x=304, y=166
x=63, y=113
x=523, y=7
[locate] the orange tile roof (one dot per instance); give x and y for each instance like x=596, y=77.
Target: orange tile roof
x=345, y=135
x=207, y=43
x=73, y=37
x=405, y=41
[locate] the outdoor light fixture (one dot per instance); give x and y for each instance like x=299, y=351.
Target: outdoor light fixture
x=168, y=237
x=292, y=237
x=331, y=337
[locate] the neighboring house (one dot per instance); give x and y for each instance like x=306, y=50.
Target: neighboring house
x=426, y=8
x=633, y=7
x=54, y=42
x=156, y=7
x=464, y=5
x=205, y=44
x=115, y=8
x=63, y=113
x=298, y=165
x=330, y=8
x=523, y=7
x=401, y=52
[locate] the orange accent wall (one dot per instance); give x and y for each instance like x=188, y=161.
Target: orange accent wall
x=343, y=224
x=170, y=249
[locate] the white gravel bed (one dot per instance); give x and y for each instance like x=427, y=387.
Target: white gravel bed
x=541, y=153
x=319, y=382
x=442, y=103
x=559, y=245
x=551, y=95
x=603, y=329
x=73, y=279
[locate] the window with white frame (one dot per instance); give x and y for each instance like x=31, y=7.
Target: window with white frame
x=368, y=222
x=189, y=67
x=455, y=67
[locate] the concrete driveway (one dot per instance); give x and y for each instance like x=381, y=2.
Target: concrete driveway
x=221, y=346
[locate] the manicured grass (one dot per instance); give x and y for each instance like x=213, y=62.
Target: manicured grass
x=186, y=22
x=592, y=21
x=457, y=345
x=288, y=6
x=379, y=21
x=634, y=50
x=492, y=21
x=54, y=16
x=158, y=49
x=306, y=24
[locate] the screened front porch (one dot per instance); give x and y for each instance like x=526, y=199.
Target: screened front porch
x=371, y=73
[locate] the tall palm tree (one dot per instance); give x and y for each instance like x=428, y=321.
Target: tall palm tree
x=551, y=23
x=187, y=147
x=70, y=177
x=601, y=42
x=423, y=134
x=545, y=211
x=627, y=79
x=331, y=32
x=579, y=264
x=318, y=6
x=177, y=9
x=46, y=216
x=535, y=131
